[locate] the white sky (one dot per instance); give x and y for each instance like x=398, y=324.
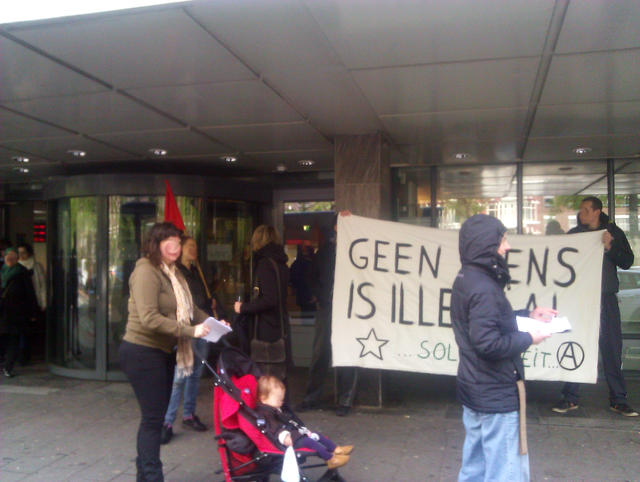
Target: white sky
x=25, y=10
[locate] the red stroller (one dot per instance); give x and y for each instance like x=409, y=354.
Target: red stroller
x=247, y=451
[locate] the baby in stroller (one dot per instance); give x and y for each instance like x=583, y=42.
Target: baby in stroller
x=289, y=430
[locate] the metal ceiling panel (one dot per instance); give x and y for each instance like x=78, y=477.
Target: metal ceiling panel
x=593, y=77
x=276, y=35
x=586, y=119
x=564, y=169
x=14, y=126
x=177, y=142
x=56, y=148
x=139, y=49
x=600, y=25
x=6, y=161
x=94, y=113
x=329, y=98
x=602, y=147
x=376, y=33
x=487, y=125
x=25, y=74
x=323, y=159
x=269, y=137
x=445, y=152
x=212, y=104
x=467, y=85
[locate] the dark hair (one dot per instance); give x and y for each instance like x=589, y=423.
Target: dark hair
x=595, y=202
x=27, y=247
x=158, y=233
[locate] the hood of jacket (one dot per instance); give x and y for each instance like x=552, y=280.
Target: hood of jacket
x=479, y=239
x=273, y=251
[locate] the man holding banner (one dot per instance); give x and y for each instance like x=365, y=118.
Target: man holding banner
x=490, y=371
x=617, y=253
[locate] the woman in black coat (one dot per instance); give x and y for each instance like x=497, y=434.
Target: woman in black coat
x=268, y=303
x=17, y=300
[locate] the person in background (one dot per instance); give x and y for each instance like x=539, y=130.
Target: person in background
x=161, y=312
x=4, y=244
x=265, y=305
x=39, y=280
x=190, y=269
x=347, y=377
x=617, y=253
x=553, y=227
x=26, y=259
x=17, y=301
x=300, y=276
x=490, y=381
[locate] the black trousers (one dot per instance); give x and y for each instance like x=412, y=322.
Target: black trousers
x=611, y=352
x=150, y=372
x=10, y=345
x=321, y=362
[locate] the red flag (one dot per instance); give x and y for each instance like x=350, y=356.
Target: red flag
x=171, y=211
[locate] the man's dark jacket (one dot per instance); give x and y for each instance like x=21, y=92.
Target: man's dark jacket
x=265, y=292
x=17, y=303
x=484, y=323
x=620, y=253
x=324, y=265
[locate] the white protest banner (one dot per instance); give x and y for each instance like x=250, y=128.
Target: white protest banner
x=392, y=294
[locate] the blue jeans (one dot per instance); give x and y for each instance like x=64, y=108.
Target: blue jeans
x=189, y=385
x=491, y=449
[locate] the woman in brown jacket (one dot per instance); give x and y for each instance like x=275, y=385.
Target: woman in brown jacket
x=161, y=313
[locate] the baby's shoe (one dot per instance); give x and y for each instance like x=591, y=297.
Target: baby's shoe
x=337, y=461
x=343, y=450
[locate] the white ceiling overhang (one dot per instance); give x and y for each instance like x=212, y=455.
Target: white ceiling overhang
x=273, y=82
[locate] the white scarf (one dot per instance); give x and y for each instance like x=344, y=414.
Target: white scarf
x=184, y=314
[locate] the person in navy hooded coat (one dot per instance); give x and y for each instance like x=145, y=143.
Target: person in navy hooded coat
x=490, y=348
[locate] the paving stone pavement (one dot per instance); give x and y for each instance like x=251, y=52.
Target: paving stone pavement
x=58, y=429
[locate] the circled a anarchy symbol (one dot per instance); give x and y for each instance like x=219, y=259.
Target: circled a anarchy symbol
x=570, y=355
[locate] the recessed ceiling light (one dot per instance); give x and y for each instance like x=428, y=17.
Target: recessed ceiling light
x=462, y=155
x=306, y=162
x=20, y=159
x=281, y=168
x=76, y=152
x=582, y=150
x=21, y=170
x=229, y=159
x=158, y=151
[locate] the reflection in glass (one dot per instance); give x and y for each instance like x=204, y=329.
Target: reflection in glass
x=413, y=196
x=75, y=274
x=627, y=177
x=465, y=191
x=553, y=192
x=227, y=259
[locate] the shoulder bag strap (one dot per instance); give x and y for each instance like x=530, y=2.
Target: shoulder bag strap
x=255, y=325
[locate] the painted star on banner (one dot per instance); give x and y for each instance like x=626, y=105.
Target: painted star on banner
x=372, y=345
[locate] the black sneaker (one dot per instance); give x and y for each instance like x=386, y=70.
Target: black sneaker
x=565, y=406
x=623, y=409
x=166, y=434
x=343, y=410
x=194, y=423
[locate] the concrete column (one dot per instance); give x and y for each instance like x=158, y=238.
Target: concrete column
x=362, y=175
x=363, y=186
